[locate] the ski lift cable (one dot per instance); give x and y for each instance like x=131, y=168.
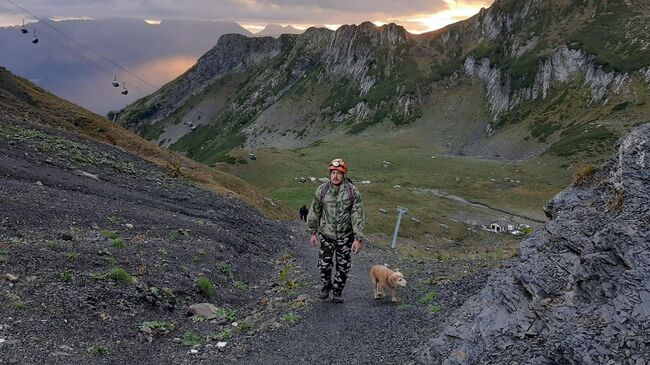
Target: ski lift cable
x=63, y=45
x=43, y=33
x=84, y=46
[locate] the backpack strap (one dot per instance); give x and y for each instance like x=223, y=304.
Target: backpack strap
x=350, y=191
x=327, y=186
x=324, y=191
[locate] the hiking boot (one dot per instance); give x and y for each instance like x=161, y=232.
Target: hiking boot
x=336, y=298
x=324, y=293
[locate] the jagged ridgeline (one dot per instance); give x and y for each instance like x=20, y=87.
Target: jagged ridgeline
x=552, y=68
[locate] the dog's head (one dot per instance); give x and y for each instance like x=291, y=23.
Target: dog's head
x=396, y=279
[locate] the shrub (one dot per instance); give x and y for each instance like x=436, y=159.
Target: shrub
x=225, y=268
x=118, y=243
x=584, y=175
x=223, y=335
x=120, y=275
x=98, y=350
x=67, y=275
x=205, y=286
x=191, y=339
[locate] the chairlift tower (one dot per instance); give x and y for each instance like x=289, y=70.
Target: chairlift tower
x=400, y=212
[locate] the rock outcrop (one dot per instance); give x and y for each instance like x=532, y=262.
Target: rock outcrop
x=562, y=66
x=580, y=291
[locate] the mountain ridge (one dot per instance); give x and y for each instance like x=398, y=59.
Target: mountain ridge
x=359, y=76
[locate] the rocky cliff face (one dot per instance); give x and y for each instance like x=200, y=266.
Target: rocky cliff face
x=580, y=291
x=560, y=67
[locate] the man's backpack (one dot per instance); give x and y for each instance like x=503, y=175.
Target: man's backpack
x=328, y=185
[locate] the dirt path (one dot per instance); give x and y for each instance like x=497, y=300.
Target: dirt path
x=460, y=199
x=363, y=330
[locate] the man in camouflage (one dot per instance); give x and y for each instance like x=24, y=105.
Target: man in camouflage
x=336, y=220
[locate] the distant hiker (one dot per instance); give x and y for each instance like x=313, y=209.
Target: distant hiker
x=336, y=220
x=303, y=213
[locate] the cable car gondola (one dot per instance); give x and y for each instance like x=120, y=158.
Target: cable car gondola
x=35, y=39
x=124, y=89
x=115, y=83
x=23, y=30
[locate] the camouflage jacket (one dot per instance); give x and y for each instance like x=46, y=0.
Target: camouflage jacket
x=337, y=216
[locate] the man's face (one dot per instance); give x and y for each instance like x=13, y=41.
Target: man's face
x=336, y=177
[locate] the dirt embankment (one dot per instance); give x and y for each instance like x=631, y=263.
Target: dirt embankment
x=95, y=243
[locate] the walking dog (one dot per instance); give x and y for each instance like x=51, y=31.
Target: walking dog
x=382, y=278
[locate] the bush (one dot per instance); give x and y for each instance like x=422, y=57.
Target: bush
x=205, y=286
x=67, y=275
x=584, y=175
x=120, y=275
x=118, y=243
x=191, y=339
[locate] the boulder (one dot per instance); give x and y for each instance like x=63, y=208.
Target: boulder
x=205, y=310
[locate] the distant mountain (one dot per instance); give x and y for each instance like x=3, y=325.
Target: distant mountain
x=276, y=30
x=156, y=53
x=516, y=80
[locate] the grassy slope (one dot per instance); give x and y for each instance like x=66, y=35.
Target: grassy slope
x=22, y=99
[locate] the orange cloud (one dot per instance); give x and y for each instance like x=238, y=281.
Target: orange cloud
x=164, y=70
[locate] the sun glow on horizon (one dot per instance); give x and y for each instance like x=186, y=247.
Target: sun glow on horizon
x=457, y=11
x=153, y=21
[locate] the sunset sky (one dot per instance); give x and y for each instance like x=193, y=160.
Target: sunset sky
x=417, y=16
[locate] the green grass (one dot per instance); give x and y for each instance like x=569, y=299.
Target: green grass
x=205, y=286
x=577, y=140
x=157, y=328
x=225, y=269
x=67, y=275
x=191, y=339
x=118, y=243
x=120, y=275
x=428, y=297
x=78, y=154
x=222, y=336
x=412, y=167
x=291, y=317
x=110, y=235
x=98, y=350
x=605, y=37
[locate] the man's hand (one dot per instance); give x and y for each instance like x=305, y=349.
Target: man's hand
x=357, y=246
x=313, y=240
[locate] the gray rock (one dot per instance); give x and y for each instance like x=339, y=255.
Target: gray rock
x=580, y=291
x=302, y=298
x=205, y=310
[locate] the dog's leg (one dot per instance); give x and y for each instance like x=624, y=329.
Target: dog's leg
x=374, y=286
x=393, y=295
x=380, y=290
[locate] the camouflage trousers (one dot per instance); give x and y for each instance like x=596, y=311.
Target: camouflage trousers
x=335, y=251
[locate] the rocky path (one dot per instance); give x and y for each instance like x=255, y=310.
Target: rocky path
x=364, y=330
